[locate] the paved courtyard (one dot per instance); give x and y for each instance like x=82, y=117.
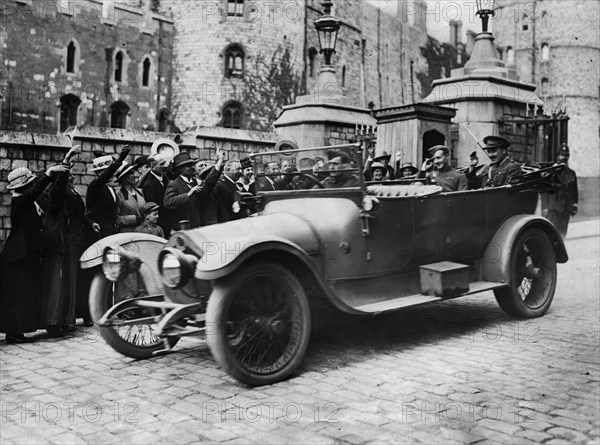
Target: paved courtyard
x=457, y=372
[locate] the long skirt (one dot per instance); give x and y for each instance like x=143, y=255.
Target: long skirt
x=20, y=296
x=59, y=291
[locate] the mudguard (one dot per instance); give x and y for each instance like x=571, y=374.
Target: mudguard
x=213, y=265
x=144, y=246
x=498, y=253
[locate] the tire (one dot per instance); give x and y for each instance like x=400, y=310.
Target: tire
x=135, y=341
x=258, y=323
x=532, y=280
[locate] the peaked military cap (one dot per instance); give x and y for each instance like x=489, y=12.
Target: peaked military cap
x=495, y=142
x=564, y=150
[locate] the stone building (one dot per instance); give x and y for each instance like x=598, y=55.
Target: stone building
x=102, y=63
x=555, y=44
x=227, y=54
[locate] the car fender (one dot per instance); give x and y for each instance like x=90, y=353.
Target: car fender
x=214, y=265
x=498, y=252
x=145, y=246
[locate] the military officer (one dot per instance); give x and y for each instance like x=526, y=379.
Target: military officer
x=559, y=207
x=442, y=174
x=501, y=168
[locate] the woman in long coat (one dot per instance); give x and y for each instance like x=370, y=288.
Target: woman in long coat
x=67, y=234
x=20, y=260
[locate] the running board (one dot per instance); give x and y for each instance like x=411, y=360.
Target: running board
x=414, y=300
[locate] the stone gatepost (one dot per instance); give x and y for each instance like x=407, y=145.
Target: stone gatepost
x=323, y=117
x=485, y=93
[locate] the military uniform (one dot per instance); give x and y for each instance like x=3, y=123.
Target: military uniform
x=449, y=179
x=341, y=181
x=498, y=175
x=560, y=206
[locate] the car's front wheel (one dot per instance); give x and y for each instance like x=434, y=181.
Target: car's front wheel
x=258, y=323
x=532, y=276
x=138, y=339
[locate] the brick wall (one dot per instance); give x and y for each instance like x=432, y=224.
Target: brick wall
x=40, y=151
x=33, y=71
x=570, y=29
x=200, y=88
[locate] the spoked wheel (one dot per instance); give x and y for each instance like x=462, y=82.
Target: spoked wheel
x=532, y=276
x=258, y=323
x=138, y=340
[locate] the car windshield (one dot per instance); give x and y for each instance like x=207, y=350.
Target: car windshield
x=303, y=169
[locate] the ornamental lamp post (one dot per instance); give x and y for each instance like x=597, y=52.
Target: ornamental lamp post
x=483, y=57
x=485, y=9
x=327, y=30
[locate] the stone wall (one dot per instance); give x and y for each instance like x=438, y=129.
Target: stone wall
x=40, y=151
x=374, y=55
x=34, y=36
x=570, y=29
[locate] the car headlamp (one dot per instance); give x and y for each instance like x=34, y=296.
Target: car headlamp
x=118, y=263
x=370, y=203
x=175, y=267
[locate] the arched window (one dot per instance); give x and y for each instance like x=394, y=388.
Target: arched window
x=118, y=115
x=119, y=66
x=69, y=104
x=146, y=72
x=545, y=19
x=71, y=57
x=545, y=52
x=231, y=116
x=234, y=61
x=312, y=62
x=163, y=120
x=545, y=86
x=510, y=56
x=344, y=76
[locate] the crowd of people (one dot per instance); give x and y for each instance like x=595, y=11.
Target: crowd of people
x=52, y=224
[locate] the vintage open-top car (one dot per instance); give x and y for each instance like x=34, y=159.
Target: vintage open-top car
x=320, y=237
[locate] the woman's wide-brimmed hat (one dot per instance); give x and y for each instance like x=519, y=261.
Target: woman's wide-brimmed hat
x=19, y=177
x=124, y=170
x=410, y=166
x=377, y=165
x=383, y=157
x=101, y=163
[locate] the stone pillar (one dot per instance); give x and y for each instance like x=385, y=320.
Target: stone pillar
x=484, y=94
x=324, y=116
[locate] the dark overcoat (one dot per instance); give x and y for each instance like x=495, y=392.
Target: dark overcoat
x=20, y=262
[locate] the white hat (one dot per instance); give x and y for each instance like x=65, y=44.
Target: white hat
x=101, y=163
x=19, y=177
x=159, y=159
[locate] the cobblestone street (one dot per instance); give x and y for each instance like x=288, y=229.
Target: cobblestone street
x=457, y=372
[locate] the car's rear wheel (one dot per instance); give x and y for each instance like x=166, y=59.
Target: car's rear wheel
x=138, y=340
x=532, y=279
x=258, y=323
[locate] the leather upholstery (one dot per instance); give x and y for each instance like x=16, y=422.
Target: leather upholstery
x=400, y=190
